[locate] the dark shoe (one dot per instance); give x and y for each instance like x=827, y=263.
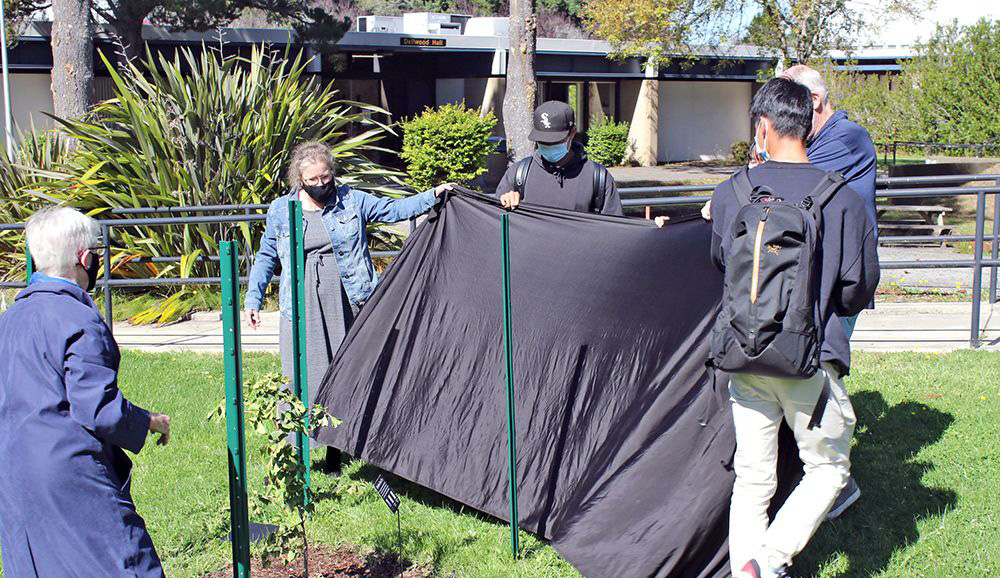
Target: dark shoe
x=848, y=496
x=331, y=465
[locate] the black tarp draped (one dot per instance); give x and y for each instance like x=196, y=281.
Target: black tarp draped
x=624, y=439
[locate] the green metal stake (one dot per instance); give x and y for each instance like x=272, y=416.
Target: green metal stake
x=238, y=503
x=300, y=384
x=509, y=354
x=29, y=264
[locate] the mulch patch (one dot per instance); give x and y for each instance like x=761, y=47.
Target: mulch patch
x=325, y=562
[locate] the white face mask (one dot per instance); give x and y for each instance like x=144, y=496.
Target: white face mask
x=761, y=150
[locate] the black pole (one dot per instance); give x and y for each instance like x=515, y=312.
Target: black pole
x=106, y=233
x=977, y=280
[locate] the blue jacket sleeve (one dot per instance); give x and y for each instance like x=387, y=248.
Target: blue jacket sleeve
x=387, y=210
x=263, y=266
x=95, y=402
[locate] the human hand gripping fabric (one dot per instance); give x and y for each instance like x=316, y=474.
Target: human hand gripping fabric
x=160, y=423
x=440, y=189
x=510, y=200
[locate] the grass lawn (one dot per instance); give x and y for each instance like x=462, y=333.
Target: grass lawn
x=927, y=460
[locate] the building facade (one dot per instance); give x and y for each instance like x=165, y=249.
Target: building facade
x=691, y=110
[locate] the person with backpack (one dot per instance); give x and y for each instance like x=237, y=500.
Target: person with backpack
x=558, y=174
x=798, y=253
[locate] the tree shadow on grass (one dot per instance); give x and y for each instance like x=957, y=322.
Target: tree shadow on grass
x=893, y=497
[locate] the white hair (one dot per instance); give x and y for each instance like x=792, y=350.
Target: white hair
x=811, y=79
x=56, y=236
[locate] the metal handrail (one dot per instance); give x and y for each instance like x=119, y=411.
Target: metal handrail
x=977, y=263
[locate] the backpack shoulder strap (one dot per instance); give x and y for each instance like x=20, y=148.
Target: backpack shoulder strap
x=742, y=186
x=521, y=175
x=832, y=182
x=600, y=183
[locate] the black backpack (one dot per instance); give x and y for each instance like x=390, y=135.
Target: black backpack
x=770, y=319
x=600, y=181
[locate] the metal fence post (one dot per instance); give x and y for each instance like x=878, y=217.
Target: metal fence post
x=106, y=234
x=977, y=269
x=995, y=250
x=29, y=264
x=509, y=358
x=238, y=503
x=300, y=382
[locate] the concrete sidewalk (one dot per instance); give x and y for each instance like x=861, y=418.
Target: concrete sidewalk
x=891, y=327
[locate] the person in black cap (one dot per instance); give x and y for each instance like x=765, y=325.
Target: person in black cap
x=559, y=174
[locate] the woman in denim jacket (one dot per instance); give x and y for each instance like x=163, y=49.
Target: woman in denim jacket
x=339, y=274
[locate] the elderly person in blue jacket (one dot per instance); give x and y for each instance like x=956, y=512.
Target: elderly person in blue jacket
x=339, y=274
x=65, y=504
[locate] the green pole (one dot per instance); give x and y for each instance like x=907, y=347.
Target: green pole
x=29, y=263
x=509, y=355
x=238, y=503
x=300, y=384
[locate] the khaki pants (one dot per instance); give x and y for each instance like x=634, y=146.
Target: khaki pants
x=759, y=405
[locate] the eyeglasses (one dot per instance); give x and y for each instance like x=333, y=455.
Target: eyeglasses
x=96, y=250
x=319, y=179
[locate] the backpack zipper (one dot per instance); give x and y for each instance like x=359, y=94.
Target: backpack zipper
x=756, y=256
x=755, y=280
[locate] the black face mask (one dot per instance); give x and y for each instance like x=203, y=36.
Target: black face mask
x=91, y=270
x=320, y=193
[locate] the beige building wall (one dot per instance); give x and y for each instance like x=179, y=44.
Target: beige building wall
x=645, y=131
x=31, y=96
x=700, y=120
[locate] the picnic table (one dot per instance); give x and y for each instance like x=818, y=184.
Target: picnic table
x=930, y=219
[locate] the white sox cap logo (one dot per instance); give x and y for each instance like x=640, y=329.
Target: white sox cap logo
x=545, y=120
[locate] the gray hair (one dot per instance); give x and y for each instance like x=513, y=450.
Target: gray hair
x=305, y=154
x=809, y=77
x=57, y=235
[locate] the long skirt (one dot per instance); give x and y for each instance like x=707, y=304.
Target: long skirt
x=328, y=316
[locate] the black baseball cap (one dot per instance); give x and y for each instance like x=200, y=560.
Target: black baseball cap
x=553, y=121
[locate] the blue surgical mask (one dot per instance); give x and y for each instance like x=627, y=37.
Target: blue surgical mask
x=761, y=150
x=553, y=153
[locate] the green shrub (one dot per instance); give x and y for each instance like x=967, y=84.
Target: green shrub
x=740, y=151
x=449, y=144
x=606, y=143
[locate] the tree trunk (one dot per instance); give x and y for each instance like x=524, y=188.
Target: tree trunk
x=519, y=100
x=72, y=57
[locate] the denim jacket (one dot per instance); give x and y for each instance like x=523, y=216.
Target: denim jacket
x=345, y=217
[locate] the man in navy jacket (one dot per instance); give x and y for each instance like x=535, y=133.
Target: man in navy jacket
x=837, y=144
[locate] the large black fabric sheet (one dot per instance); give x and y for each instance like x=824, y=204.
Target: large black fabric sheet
x=624, y=439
